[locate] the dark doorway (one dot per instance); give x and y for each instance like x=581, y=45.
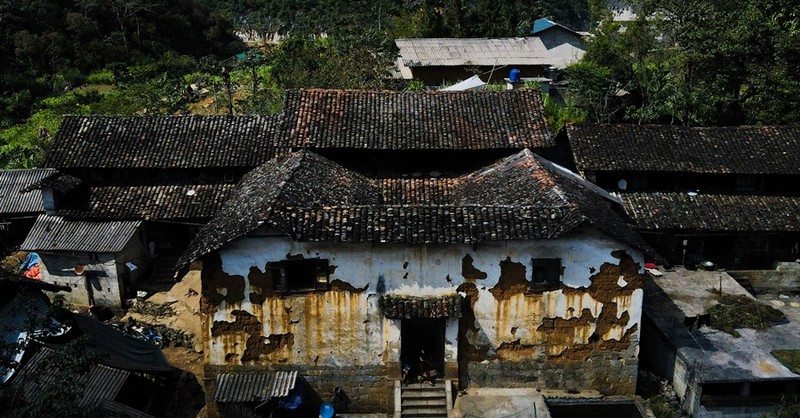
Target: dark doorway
x=418, y=334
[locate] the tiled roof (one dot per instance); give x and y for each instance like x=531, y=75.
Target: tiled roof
x=426, y=52
x=744, y=150
x=147, y=201
x=415, y=121
x=712, y=212
x=15, y=197
x=57, y=181
x=54, y=233
x=163, y=141
x=310, y=198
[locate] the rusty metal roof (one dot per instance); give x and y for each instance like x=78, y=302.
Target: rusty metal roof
x=254, y=387
x=54, y=233
x=12, y=184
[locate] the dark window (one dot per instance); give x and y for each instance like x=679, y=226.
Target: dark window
x=546, y=273
x=300, y=275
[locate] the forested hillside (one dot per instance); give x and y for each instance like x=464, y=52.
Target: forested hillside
x=682, y=61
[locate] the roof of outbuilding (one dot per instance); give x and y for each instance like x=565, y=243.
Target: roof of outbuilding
x=254, y=387
x=713, y=212
x=415, y=120
x=163, y=141
x=54, y=233
x=15, y=195
x=427, y=52
x=147, y=200
x=742, y=149
x=311, y=198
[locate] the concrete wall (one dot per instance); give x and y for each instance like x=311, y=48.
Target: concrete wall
x=135, y=251
x=101, y=271
x=770, y=281
x=592, y=319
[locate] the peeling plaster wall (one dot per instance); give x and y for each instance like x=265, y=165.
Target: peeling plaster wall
x=596, y=311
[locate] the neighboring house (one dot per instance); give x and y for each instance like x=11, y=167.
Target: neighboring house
x=415, y=134
x=19, y=205
x=157, y=178
x=729, y=195
x=717, y=374
x=565, y=45
x=100, y=261
x=436, y=61
x=517, y=274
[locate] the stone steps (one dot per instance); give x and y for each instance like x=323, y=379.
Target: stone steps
x=424, y=400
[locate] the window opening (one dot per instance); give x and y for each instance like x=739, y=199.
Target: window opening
x=300, y=275
x=545, y=273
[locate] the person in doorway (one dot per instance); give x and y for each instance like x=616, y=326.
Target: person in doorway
x=425, y=367
x=406, y=370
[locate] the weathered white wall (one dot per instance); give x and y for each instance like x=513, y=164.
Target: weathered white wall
x=59, y=268
x=335, y=327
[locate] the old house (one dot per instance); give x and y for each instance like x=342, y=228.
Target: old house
x=564, y=44
x=125, y=195
x=514, y=274
x=730, y=195
x=436, y=61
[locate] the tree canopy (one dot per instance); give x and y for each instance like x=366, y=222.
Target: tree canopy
x=694, y=62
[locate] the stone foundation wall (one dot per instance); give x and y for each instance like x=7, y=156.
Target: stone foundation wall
x=607, y=373
x=367, y=387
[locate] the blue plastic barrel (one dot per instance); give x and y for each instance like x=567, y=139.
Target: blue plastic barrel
x=514, y=76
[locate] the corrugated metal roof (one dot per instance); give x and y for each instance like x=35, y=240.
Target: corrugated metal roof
x=103, y=383
x=100, y=383
x=54, y=233
x=419, y=52
x=254, y=387
x=12, y=182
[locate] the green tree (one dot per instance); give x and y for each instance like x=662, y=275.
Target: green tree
x=700, y=62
